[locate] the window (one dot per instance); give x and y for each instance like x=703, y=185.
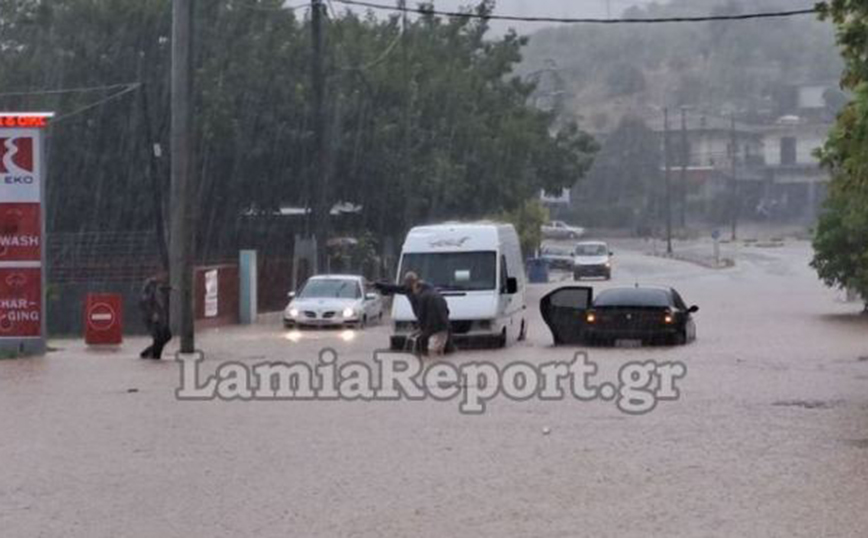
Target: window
x=504, y=274
x=454, y=271
x=330, y=289
x=788, y=151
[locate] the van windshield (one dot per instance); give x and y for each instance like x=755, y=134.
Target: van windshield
x=454, y=271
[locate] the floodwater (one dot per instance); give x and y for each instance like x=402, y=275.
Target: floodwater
x=769, y=438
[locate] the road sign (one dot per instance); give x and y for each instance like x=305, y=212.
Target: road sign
x=20, y=232
x=22, y=225
x=20, y=302
x=103, y=316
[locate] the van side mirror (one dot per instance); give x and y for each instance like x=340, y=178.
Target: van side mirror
x=693, y=309
x=370, y=296
x=611, y=253
x=511, y=286
x=291, y=295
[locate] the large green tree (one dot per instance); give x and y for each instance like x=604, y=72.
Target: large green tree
x=426, y=119
x=841, y=240
x=624, y=185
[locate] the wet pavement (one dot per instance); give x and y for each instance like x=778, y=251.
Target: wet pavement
x=769, y=438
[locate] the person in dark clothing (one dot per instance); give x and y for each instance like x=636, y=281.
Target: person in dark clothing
x=430, y=309
x=154, y=303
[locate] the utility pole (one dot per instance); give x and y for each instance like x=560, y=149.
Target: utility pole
x=182, y=243
x=733, y=203
x=668, y=180
x=320, y=208
x=685, y=157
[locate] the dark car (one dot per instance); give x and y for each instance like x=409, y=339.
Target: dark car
x=647, y=315
x=557, y=257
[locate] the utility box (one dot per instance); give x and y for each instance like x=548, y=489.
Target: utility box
x=537, y=271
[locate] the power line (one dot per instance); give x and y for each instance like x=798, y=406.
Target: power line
x=61, y=91
x=568, y=20
x=130, y=88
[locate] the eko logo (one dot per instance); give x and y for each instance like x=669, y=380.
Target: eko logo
x=16, y=155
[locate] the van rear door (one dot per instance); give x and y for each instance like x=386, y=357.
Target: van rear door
x=563, y=310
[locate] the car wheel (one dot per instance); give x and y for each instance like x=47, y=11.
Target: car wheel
x=288, y=324
x=363, y=323
x=522, y=335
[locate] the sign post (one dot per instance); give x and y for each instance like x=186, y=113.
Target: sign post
x=716, y=236
x=22, y=233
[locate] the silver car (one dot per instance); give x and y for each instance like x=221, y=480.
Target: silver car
x=333, y=301
x=592, y=259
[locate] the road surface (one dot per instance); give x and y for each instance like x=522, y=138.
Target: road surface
x=769, y=438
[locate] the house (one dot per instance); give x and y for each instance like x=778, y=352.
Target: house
x=777, y=174
x=794, y=182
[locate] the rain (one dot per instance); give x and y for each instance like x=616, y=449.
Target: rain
x=497, y=164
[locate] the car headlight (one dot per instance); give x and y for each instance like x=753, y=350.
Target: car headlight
x=608, y=264
x=293, y=312
x=349, y=312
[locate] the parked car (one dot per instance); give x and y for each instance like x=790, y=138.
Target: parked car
x=620, y=315
x=592, y=259
x=557, y=257
x=561, y=230
x=333, y=301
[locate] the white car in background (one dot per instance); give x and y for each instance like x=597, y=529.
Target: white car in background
x=561, y=230
x=592, y=259
x=333, y=301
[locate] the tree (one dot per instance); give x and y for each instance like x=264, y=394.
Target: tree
x=625, y=79
x=625, y=178
x=841, y=240
x=426, y=122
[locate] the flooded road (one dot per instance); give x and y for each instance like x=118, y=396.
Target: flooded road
x=769, y=438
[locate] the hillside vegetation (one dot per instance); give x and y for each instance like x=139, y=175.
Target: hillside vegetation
x=746, y=66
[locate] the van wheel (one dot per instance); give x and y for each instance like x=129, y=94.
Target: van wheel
x=500, y=343
x=522, y=335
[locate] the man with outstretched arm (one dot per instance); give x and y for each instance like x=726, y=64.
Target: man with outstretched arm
x=430, y=309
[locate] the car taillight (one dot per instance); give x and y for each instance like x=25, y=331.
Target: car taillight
x=591, y=317
x=668, y=318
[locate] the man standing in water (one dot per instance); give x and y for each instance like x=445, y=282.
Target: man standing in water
x=154, y=303
x=430, y=309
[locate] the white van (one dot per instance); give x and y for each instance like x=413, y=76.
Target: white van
x=479, y=269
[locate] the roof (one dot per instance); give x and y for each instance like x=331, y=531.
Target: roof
x=454, y=237
x=697, y=122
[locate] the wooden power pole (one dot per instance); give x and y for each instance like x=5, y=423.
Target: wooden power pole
x=734, y=202
x=182, y=211
x=685, y=159
x=320, y=210
x=668, y=165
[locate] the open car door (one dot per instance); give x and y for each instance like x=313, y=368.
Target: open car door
x=564, y=310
